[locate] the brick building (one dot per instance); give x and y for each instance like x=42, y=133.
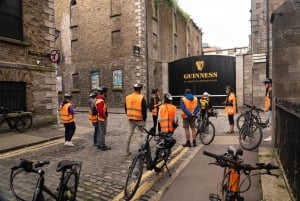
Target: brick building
x=118, y=43
x=27, y=77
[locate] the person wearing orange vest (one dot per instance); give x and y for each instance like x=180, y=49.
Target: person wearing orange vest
x=102, y=119
x=136, y=111
x=167, y=120
x=93, y=117
x=154, y=106
x=189, y=109
x=268, y=104
x=230, y=108
x=67, y=113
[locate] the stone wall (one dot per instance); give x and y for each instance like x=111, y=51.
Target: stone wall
x=100, y=36
x=28, y=60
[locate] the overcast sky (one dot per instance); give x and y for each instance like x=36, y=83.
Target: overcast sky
x=224, y=23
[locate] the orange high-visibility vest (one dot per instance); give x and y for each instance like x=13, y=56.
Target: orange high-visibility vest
x=190, y=106
x=134, y=106
x=154, y=110
x=267, y=101
x=167, y=117
x=65, y=116
x=92, y=117
x=104, y=108
x=231, y=110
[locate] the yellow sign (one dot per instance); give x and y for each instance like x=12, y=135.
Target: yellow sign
x=199, y=65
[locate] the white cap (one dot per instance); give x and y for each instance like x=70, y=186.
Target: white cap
x=205, y=94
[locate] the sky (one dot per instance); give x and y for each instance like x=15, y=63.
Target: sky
x=224, y=23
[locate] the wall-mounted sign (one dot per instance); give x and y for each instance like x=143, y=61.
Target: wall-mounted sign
x=54, y=56
x=94, y=79
x=136, y=51
x=117, y=79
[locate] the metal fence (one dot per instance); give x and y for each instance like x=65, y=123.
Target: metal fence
x=288, y=141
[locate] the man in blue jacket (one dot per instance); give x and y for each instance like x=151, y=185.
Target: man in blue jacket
x=189, y=109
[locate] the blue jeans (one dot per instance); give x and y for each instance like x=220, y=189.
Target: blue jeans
x=101, y=133
x=95, y=132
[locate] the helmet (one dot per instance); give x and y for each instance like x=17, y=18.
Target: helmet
x=93, y=94
x=105, y=89
x=267, y=81
x=168, y=96
x=68, y=96
x=205, y=94
x=137, y=86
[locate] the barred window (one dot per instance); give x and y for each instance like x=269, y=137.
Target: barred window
x=11, y=20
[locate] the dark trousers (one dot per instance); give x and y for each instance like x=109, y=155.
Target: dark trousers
x=154, y=121
x=230, y=119
x=69, y=130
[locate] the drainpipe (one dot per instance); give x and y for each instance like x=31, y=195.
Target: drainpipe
x=147, y=51
x=268, y=40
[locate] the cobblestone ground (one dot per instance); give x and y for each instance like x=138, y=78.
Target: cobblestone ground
x=103, y=172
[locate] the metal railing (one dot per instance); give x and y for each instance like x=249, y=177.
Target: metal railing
x=287, y=140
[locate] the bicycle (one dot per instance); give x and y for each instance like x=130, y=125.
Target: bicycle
x=205, y=128
x=250, y=135
x=144, y=156
x=234, y=166
x=21, y=121
x=68, y=182
x=240, y=121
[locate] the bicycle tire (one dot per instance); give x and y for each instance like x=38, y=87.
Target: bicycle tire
x=23, y=123
x=241, y=120
x=134, y=176
x=250, y=136
x=70, y=185
x=208, y=134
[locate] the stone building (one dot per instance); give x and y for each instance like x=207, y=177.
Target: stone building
x=117, y=43
x=27, y=77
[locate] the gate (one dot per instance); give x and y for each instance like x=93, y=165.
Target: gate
x=210, y=73
x=13, y=95
x=287, y=140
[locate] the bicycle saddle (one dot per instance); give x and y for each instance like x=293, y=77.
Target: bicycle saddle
x=235, y=152
x=64, y=165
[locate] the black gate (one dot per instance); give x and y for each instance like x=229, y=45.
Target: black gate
x=13, y=95
x=210, y=73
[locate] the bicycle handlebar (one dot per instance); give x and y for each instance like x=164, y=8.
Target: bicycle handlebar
x=28, y=166
x=222, y=160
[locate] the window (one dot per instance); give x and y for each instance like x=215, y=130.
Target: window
x=11, y=21
x=75, y=79
x=116, y=38
x=95, y=79
x=115, y=7
x=117, y=79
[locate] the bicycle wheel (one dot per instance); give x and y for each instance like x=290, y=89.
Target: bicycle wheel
x=134, y=176
x=207, y=134
x=23, y=123
x=69, y=189
x=250, y=136
x=241, y=120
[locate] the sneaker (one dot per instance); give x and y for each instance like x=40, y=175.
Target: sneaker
x=70, y=144
x=187, y=144
x=194, y=143
x=268, y=139
x=66, y=143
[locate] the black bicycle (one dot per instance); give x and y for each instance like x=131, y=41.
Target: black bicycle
x=232, y=185
x=21, y=121
x=255, y=115
x=205, y=128
x=69, y=179
x=144, y=156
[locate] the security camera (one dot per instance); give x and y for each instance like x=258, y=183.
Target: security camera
x=38, y=62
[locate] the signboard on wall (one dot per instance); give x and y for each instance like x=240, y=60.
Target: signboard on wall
x=94, y=79
x=207, y=73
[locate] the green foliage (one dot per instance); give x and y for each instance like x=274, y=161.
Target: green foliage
x=172, y=4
